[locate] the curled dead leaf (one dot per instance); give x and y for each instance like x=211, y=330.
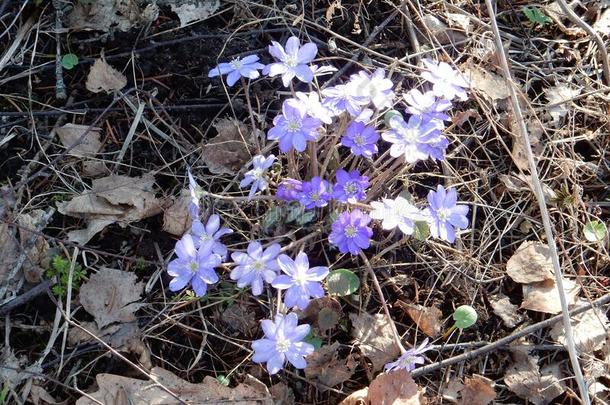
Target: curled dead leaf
x=103, y=77
x=176, y=218
x=525, y=379
x=477, y=390
x=428, y=319
x=491, y=85
x=325, y=366
x=108, y=15
x=71, y=134
x=530, y=263
x=505, y=310
x=194, y=10
x=373, y=335
x=544, y=296
x=228, y=151
x=396, y=387
x=590, y=330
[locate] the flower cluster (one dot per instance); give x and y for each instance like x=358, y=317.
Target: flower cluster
x=358, y=103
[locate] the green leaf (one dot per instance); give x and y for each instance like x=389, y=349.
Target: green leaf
x=299, y=216
x=272, y=219
x=223, y=380
x=422, y=231
x=68, y=61
x=465, y=316
x=595, y=231
x=342, y=282
x=388, y=116
x=315, y=341
x=536, y=16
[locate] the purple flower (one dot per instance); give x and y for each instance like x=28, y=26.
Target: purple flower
x=193, y=206
x=361, y=139
x=415, y=139
x=314, y=193
x=397, y=213
x=256, y=266
x=256, y=176
x=342, y=98
x=283, y=341
x=246, y=67
x=300, y=282
x=292, y=61
x=289, y=190
x=427, y=105
x=313, y=106
x=448, y=83
x=351, y=233
x=409, y=359
x=375, y=88
x=210, y=235
x=294, y=127
x=445, y=214
x=350, y=187
x=193, y=266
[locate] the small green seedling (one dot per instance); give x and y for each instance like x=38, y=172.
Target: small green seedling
x=595, y=231
x=223, y=380
x=60, y=268
x=464, y=316
x=68, y=61
x=536, y=16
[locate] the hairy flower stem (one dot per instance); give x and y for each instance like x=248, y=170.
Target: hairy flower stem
x=246, y=85
x=331, y=145
x=383, y=303
x=313, y=156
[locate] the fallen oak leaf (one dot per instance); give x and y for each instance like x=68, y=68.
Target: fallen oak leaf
x=103, y=77
x=110, y=296
x=374, y=337
x=147, y=392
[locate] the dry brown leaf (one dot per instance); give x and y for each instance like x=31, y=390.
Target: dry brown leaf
x=94, y=168
x=460, y=20
x=590, y=330
x=428, y=319
x=110, y=296
x=534, y=132
x=525, y=379
x=40, y=396
x=452, y=391
x=117, y=335
x=359, y=397
x=9, y=252
x=194, y=10
x=373, y=335
x=493, y=86
x=108, y=15
x=103, y=77
x=477, y=390
x=395, y=388
x=38, y=259
x=544, y=296
x=441, y=31
x=561, y=96
x=228, y=151
x=505, y=310
x=88, y=146
x=282, y=394
x=112, y=199
x=240, y=318
x=176, y=218
x=324, y=366
x=531, y=263
x=146, y=392
x=322, y=313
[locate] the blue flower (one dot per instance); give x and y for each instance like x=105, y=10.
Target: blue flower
x=283, y=341
x=397, y=213
x=193, y=206
x=256, y=266
x=193, y=266
x=342, y=97
x=444, y=214
x=256, y=176
x=314, y=193
x=427, y=106
x=293, y=61
x=375, y=88
x=447, y=82
x=289, y=190
x=246, y=67
x=294, y=127
x=409, y=359
x=300, y=282
x=350, y=187
x=415, y=139
x=361, y=139
x=210, y=234
x=351, y=233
